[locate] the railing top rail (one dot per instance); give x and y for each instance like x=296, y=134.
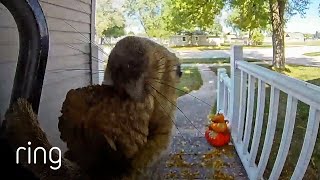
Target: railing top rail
x=306, y=92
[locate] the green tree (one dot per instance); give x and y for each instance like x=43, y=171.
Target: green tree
x=114, y=31
x=280, y=12
x=216, y=29
x=110, y=21
x=131, y=33
x=257, y=37
x=252, y=14
x=150, y=15
x=308, y=36
x=189, y=14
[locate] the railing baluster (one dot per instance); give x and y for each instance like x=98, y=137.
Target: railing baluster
x=258, y=122
x=249, y=114
x=220, y=89
x=225, y=98
x=229, y=104
x=243, y=97
x=308, y=144
x=272, y=122
x=286, y=137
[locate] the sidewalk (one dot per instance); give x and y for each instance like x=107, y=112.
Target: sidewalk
x=191, y=157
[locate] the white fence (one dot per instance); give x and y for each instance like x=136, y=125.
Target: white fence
x=236, y=99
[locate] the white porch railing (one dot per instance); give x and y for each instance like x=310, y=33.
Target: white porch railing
x=235, y=97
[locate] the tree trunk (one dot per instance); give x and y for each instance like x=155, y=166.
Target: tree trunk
x=250, y=38
x=277, y=8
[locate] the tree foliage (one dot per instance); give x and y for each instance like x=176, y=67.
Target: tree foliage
x=296, y=7
x=216, y=29
x=150, y=15
x=249, y=15
x=110, y=21
x=252, y=15
x=257, y=37
x=131, y=33
x=114, y=31
x=189, y=14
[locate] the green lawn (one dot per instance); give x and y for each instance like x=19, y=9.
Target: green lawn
x=201, y=48
x=222, y=47
x=227, y=46
x=312, y=54
x=307, y=43
x=311, y=75
x=212, y=60
x=190, y=80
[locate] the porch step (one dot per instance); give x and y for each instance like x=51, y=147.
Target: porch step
x=193, y=158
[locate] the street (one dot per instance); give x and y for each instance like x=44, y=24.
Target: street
x=294, y=55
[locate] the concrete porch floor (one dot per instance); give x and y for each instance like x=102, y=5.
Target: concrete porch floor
x=190, y=156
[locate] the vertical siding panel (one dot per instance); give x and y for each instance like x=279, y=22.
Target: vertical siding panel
x=9, y=50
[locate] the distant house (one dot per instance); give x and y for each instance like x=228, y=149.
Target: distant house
x=233, y=38
x=196, y=38
x=294, y=37
x=230, y=37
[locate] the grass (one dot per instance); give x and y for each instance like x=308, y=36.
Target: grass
x=312, y=54
x=211, y=60
x=201, y=48
x=227, y=46
x=308, y=74
x=190, y=80
x=222, y=47
x=307, y=43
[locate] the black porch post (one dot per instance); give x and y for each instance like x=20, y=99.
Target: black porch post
x=33, y=51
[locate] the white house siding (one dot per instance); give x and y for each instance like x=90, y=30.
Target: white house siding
x=69, y=48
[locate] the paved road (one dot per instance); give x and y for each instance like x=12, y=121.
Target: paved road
x=294, y=55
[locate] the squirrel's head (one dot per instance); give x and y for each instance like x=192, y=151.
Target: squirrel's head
x=139, y=67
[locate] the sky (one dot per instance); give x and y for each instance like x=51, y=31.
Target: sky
x=308, y=24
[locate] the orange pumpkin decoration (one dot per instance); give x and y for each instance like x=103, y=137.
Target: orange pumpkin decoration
x=219, y=127
x=228, y=125
x=218, y=118
x=217, y=139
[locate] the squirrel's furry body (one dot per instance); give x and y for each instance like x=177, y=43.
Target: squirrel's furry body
x=128, y=123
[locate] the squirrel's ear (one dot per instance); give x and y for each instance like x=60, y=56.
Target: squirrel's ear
x=107, y=78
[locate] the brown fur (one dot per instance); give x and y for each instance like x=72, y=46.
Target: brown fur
x=128, y=123
x=22, y=126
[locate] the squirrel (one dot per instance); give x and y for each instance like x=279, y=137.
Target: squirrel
x=117, y=130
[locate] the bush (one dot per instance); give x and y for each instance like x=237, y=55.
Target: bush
x=257, y=38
